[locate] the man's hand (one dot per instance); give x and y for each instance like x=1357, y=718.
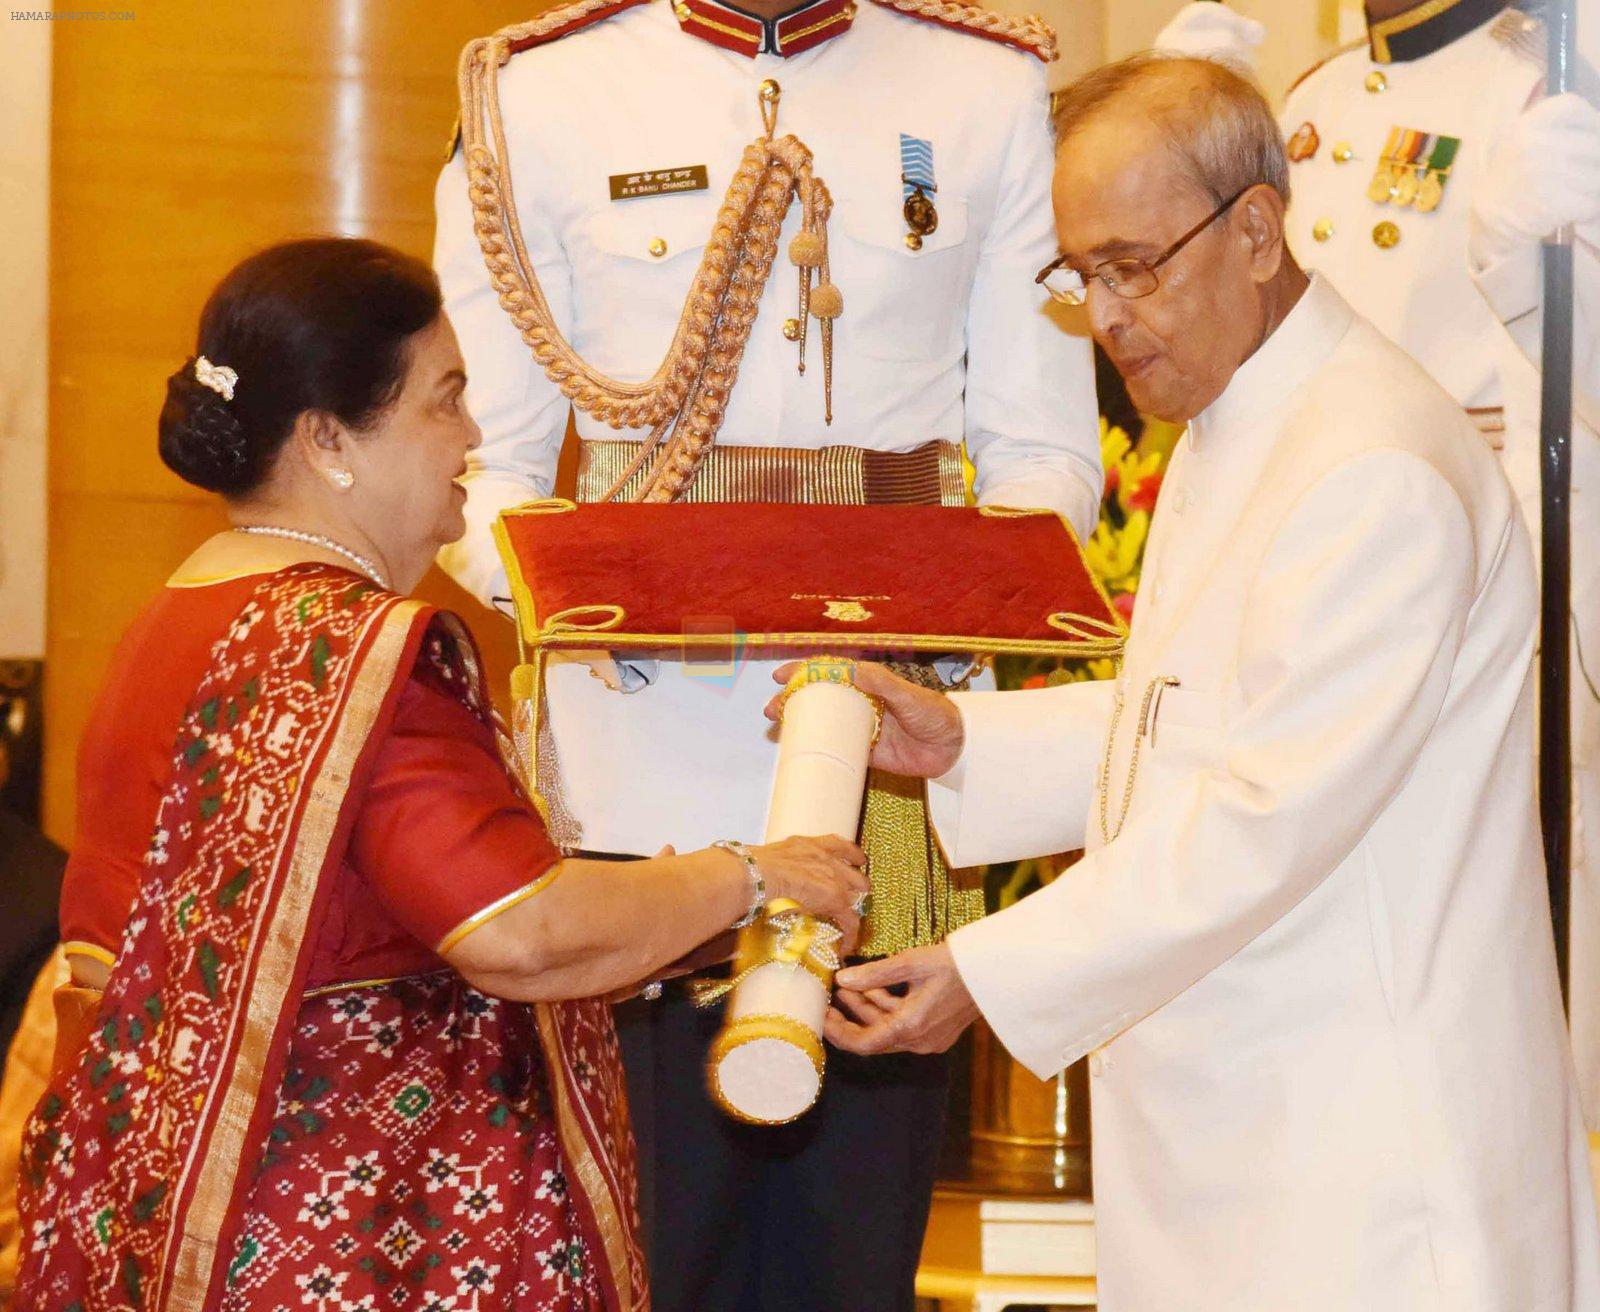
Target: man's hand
x=1544, y=175
x=1211, y=31
x=866, y=1018
x=922, y=731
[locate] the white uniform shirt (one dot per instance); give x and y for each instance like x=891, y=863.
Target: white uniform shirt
x=1477, y=332
x=949, y=342
x=1318, y=954
x=1421, y=291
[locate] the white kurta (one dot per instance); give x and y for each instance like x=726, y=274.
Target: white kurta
x=952, y=341
x=1317, y=959
x=1477, y=332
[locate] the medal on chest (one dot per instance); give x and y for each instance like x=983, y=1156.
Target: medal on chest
x=1413, y=170
x=917, y=189
x=1303, y=144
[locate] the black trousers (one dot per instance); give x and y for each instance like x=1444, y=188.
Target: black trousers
x=823, y=1215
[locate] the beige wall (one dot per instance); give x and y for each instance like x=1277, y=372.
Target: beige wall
x=1080, y=28
x=24, y=219
x=1299, y=32
x=182, y=140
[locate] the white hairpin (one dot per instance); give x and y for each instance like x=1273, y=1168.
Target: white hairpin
x=218, y=377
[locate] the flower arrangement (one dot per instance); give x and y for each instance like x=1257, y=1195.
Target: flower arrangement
x=1115, y=551
x=1135, y=468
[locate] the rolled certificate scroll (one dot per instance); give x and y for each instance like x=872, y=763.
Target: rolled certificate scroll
x=766, y=1065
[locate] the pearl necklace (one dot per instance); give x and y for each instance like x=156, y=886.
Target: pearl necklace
x=318, y=540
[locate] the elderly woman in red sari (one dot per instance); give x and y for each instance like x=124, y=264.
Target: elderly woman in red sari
x=350, y=1046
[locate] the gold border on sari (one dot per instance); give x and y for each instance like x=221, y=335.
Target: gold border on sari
x=580, y=1157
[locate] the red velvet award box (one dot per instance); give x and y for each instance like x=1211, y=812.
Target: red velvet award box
x=781, y=580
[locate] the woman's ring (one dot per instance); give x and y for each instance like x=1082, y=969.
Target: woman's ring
x=860, y=903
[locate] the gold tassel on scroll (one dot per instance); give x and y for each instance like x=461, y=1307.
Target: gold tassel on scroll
x=916, y=898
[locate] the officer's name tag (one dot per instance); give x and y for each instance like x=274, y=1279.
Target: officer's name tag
x=658, y=182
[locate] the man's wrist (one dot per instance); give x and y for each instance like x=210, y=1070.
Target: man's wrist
x=955, y=774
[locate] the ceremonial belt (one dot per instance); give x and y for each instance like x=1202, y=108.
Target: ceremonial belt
x=916, y=898
x=928, y=475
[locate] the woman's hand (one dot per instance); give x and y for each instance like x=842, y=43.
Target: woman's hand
x=824, y=875
x=922, y=730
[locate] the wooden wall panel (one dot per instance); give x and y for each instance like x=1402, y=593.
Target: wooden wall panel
x=182, y=140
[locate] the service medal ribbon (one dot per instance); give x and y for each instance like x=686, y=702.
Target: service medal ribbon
x=917, y=187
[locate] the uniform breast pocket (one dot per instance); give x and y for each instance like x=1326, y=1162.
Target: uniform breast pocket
x=902, y=303
x=632, y=265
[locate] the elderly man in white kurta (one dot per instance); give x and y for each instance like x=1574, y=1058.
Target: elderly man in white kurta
x=1309, y=946
x=1452, y=274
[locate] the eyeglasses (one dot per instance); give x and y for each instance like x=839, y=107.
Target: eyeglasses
x=1129, y=278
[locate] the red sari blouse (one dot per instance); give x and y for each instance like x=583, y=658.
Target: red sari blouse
x=441, y=836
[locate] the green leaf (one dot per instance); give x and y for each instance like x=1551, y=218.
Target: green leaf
x=131, y=1279
x=209, y=962
x=144, y=1206
x=228, y=894
x=320, y=652
x=248, y=1250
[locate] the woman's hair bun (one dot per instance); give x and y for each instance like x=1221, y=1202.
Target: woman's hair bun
x=320, y=324
x=202, y=440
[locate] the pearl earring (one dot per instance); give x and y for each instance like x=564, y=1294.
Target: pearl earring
x=343, y=479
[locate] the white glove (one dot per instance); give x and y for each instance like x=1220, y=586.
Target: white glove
x=1543, y=175
x=1206, y=30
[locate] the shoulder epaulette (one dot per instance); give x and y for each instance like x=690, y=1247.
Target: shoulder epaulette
x=1021, y=32
x=553, y=24
x=1527, y=37
x=1323, y=63
x=559, y=21
x=1523, y=33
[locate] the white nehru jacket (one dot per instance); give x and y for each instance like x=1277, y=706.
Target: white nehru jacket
x=1317, y=958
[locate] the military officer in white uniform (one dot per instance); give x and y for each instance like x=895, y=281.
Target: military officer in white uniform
x=1426, y=169
x=943, y=337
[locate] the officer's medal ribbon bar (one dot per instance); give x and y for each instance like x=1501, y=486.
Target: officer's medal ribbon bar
x=1413, y=169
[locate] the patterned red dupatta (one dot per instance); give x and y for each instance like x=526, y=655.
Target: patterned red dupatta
x=140, y=1157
